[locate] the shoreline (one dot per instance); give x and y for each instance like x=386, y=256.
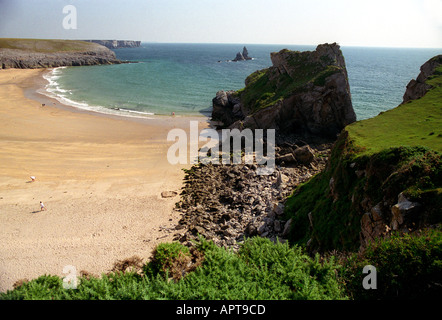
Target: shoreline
x=100, y=177
x=33, y=87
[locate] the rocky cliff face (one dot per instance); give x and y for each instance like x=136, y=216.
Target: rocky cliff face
x=361, y=196
x=302, y=92
x=418, y=88
x=115, y=44
x=29, y=59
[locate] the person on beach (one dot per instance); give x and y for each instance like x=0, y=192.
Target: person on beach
x=32, y=178
x=42, y=206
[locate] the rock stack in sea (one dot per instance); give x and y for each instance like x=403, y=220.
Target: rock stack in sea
x=242, y=56
x=302, y=92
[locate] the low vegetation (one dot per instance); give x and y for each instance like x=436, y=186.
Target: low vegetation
x=328, y=215
x=407, y=266
x=259, y=270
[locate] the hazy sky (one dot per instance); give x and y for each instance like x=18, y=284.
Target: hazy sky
x=392, y=23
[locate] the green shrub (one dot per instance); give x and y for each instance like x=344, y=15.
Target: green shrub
x=259, y=270
x=168, y=259
x=407, y=266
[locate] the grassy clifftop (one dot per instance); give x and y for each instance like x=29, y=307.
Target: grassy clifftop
x=47, y=45
x=417, y=123
x=384, y=175
x=43, y=53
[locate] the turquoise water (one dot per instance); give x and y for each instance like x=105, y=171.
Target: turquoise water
x=183, y=78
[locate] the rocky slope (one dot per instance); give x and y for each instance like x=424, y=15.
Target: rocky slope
x=30, y=53
x=226, y=203
x=307, y=99
x=302, y=92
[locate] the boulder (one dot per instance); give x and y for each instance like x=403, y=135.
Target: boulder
x=287, y=227
x=287, y=158
x=404, y=212
x=304, y=154
x=373, y=225
x=418, y=88
x=168, y=194
x=223, y=107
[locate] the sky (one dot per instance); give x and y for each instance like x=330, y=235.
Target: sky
x=378, y=23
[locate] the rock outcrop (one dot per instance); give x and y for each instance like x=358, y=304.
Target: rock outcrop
x=242, y=56
x=361, y=196
x=302, y=92
x=226, y=203
x=116, y=44
x=48, y=57
x=418, y=88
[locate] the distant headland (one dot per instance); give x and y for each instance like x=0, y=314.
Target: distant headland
x=116, y=44
x=51, y=53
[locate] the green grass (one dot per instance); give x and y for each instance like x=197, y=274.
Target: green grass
x=260, y=270
x=407, y=266
x=398, y=151
x=416, y=123
x=46, y=45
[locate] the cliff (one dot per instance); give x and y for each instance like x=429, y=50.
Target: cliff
x=302, y=92
x=384, y=175
x=116, y=44
x=419, y=87
x=36, y=53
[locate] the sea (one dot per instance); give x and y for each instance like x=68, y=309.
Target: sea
x=183, y=78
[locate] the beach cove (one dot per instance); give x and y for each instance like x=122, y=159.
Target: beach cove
x=99, y=176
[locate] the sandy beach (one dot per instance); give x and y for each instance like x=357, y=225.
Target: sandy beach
x=100, y=178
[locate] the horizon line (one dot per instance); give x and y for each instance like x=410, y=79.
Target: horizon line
x=236, y=43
